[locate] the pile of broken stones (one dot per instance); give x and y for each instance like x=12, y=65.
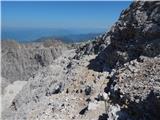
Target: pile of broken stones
x=131, y=55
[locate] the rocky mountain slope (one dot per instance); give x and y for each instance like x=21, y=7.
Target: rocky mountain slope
x=131, y=48
x=115, y=77
x=21, y=61
x=136, y=33
x=59, y=91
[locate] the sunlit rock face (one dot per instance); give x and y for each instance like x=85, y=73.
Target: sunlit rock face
x=21, y=61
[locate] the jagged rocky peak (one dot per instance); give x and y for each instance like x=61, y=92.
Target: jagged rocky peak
x=137, y=27
x=21, y=60
x=134, y=51
x=131, y=53
x=137, y=32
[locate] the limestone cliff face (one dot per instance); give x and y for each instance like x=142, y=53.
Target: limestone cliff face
x=21, y=61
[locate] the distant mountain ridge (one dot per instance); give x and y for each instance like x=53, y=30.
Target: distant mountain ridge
x=71, y=38
x=29, y=34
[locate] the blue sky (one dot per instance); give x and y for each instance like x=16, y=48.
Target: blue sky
x=54, y=14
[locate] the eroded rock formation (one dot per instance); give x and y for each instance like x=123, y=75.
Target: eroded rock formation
x=21, y=61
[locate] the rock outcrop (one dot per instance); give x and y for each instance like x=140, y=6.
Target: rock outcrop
x=66, y=89
x=21, y=61
x=136, y=33
x=131, y=54
x=136, y=88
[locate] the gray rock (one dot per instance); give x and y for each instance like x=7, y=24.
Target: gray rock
x=22, y=61
x=54, y=88
x=130, y=37
x=88, y=90
x=130, y=91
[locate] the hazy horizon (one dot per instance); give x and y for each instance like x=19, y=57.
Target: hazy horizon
x=28, y=20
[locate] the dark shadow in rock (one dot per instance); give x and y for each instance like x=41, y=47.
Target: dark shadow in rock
x=39, y=59
x=103, y=117
x=88, y=90
x=98, y=64
x=116, y=56
x=95, y=65
x=110, y=82
x=147, y=109
x=83, y=111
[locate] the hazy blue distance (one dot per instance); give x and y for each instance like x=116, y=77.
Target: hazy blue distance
x=28, y=20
